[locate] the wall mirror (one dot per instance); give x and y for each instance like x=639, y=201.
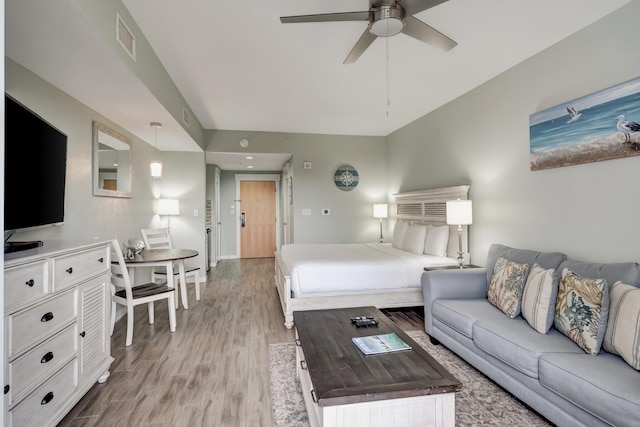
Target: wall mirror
x=111, y=162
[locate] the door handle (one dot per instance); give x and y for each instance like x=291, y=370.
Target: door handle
x=243, y=218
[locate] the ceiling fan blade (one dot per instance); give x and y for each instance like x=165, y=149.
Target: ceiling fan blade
x=363, y=43
x=411, y=7
x=327, y=17
x=419, y=30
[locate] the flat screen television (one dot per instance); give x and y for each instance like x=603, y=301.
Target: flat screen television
x=35, y=162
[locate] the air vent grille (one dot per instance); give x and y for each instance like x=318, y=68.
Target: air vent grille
x=125, y=37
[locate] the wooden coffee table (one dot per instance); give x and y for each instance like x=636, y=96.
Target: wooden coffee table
x=344, y=387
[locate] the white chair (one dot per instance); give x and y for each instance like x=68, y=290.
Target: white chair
x=159, y=238
x=125, y=294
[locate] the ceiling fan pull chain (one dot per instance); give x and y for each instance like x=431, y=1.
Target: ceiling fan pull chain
x=388, y=97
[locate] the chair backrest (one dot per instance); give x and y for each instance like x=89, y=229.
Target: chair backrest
x=119, y=274
x=156, y=238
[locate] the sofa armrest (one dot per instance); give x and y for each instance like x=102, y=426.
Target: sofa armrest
x=466, y=283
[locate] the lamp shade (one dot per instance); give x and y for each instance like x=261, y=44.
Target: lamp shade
x=168, y=207
x=380, y=210
x=459, y=212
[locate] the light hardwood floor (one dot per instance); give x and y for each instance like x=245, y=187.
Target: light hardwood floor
x=213, y=371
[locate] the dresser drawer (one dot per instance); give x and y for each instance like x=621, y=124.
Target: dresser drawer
x=69, y=269
x=35, y=409
x=39, y=363
x=25, y=283
x=29, y=326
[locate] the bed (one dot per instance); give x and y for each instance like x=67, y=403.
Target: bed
x=384, y=275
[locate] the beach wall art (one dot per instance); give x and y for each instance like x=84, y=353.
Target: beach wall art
x=601, y=126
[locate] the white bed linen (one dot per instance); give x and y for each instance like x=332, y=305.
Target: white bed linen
x=352, y=267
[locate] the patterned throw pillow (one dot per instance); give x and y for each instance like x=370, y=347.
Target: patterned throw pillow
x=539, y=298
x=505, y=288
x=581, y=310
x=622, y=336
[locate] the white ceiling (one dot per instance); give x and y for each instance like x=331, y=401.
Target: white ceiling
x=240, y=68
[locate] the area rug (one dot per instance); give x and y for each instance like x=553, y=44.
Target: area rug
x=480, y=403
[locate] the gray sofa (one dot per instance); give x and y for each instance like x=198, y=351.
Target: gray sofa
x=548, y=372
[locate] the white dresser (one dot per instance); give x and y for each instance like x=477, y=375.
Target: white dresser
x=57, y=331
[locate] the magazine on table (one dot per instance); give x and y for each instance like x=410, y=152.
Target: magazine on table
x=376, y=344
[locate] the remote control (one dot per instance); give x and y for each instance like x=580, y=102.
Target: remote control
x=366, y=323
x=358, y=318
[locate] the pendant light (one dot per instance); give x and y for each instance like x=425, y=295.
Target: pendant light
x=155, y=167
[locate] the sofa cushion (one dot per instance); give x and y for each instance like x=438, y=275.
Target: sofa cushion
x=515, y=343
x=622, y=335
x=626, y=272
x=539, y=298
x=545, y=259
x=505, y=287
x=581, y=310
x=461, y=314
x=603, y=385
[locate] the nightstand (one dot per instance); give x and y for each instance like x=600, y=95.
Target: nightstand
x=451, y=267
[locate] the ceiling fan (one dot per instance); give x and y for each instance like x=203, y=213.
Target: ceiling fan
x=386, y=18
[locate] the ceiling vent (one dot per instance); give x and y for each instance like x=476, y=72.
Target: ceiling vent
x=185, y=116
x=125, y=37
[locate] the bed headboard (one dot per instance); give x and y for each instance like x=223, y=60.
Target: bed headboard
x=430, y=207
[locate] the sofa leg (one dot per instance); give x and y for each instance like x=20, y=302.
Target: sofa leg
x=433, y=340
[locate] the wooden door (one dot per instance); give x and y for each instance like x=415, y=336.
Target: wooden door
x=257, y=219
x=110, y=184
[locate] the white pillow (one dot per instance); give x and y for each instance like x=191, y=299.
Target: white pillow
x=399, y=230
x=435, y=243
x=414, y=239
x=539, y=298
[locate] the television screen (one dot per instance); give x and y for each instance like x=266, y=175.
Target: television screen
x=34, y=169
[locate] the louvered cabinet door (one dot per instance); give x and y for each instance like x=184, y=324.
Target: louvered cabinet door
x=93, y=327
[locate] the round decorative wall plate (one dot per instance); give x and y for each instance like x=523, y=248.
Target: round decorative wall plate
x=346, y=178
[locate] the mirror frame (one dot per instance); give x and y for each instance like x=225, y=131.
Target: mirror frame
x=97, y=191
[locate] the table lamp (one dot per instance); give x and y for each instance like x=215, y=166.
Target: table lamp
x=459, y=213
x=168, y=207
x=380, y=210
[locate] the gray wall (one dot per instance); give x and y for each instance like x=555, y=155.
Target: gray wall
x=588, y=211
x=350, y=218
x=88, y=216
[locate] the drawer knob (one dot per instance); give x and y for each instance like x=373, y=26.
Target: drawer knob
x=69, y=270
x=47, y=357
x=47, y=398
x=7, y=388
x=82, y=334
x=100, y=260
x=47, y=316
x=30, y=283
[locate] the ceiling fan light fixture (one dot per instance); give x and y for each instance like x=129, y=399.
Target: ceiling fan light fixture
x=387, y=21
